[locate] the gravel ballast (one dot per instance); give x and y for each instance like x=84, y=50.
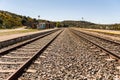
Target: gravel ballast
x=72, y=58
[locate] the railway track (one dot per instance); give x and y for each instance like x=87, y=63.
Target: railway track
x=16, y=59
x=19, y=44
x=111, y=47
x=72, y=58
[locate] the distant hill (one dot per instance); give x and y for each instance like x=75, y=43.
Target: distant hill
x=85, y=24
x=12, y=20
x=71, y=23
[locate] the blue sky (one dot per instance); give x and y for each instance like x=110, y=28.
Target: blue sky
x=97, y=11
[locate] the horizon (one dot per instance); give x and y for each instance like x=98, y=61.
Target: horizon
x=63, y=20
x=99, y=12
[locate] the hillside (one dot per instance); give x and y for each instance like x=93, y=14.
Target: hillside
x=71, y=23
x=11, y=20
x=85, y=24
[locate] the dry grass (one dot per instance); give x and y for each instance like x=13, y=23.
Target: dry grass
x=112, y=32
x=104, y=31
x=14, y=31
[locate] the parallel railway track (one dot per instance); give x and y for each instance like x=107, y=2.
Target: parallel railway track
x=14, y=60
x=111, y=47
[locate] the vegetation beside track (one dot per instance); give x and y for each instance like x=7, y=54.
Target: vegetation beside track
x=14, y=31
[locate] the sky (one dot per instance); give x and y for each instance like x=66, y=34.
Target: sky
x=97, y=11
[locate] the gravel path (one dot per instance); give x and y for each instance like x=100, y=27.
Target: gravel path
x=71, y=58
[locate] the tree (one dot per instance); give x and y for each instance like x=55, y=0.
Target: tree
x=1, y=21
x=58, y=24
x=24, y=21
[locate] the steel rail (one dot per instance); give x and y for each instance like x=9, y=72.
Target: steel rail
x=118, y=43
x=22, y=68
x=109, y=52
x=18, y=45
